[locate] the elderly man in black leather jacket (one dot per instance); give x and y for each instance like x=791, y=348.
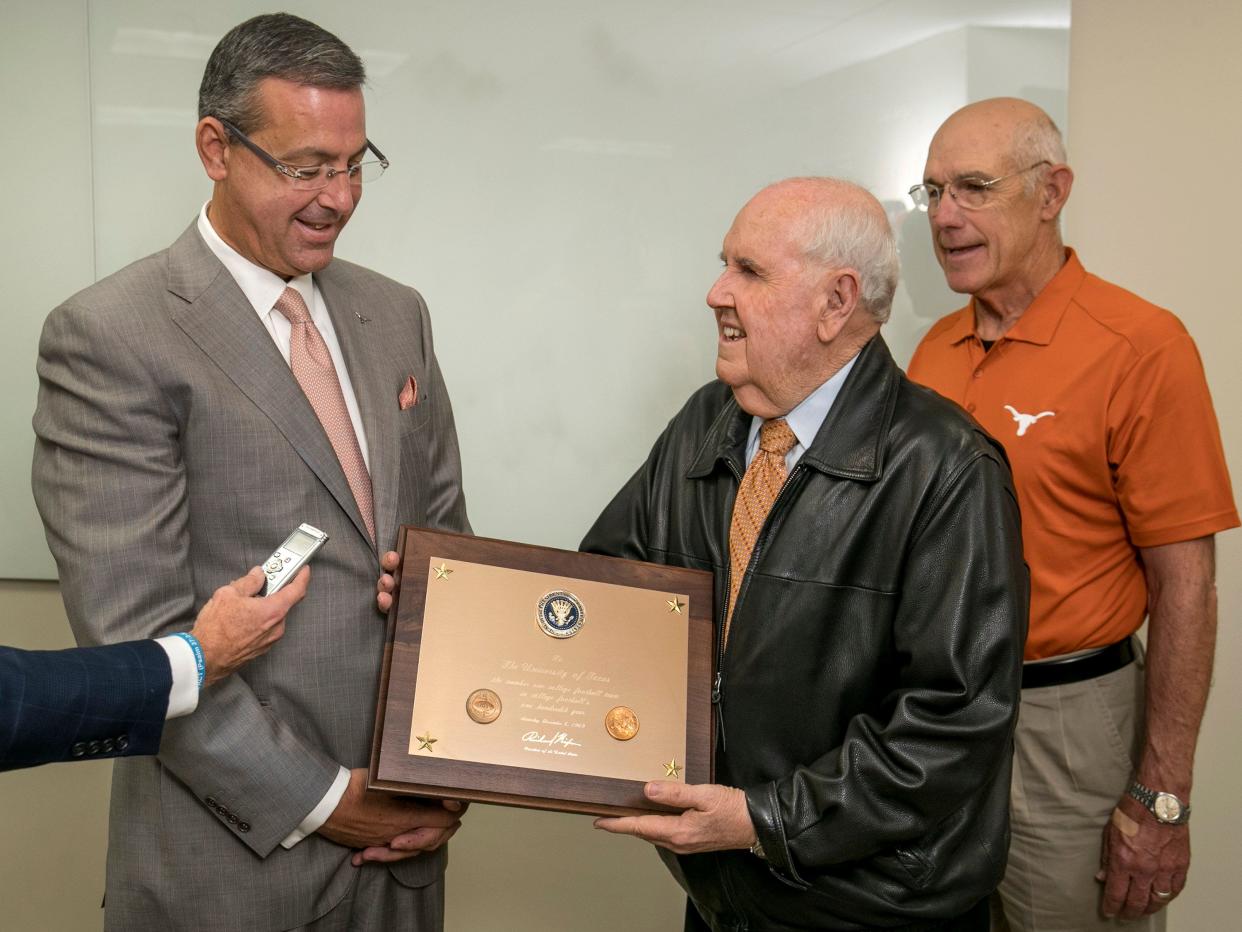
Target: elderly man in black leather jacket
x=868, y=684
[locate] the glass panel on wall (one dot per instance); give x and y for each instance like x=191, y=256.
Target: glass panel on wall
x=562, y=176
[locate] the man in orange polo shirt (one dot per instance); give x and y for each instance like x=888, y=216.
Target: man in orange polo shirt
x=1100, y=400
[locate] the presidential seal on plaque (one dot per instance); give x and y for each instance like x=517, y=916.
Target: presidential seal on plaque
x=560, y=614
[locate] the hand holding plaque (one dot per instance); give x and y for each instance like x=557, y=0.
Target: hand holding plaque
x=709, y=818
x=542, y=678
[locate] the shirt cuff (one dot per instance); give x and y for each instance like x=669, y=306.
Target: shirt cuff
x=320, y=813
x=183, y=697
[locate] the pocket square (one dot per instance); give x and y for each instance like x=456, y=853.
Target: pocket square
x=409, y=394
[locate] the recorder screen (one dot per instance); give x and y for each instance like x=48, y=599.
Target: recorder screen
x=300, y=542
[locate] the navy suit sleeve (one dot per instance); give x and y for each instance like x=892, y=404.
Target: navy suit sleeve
x=82, y=703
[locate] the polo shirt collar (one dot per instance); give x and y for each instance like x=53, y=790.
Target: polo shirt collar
x=962, y=324
x=1038, y=323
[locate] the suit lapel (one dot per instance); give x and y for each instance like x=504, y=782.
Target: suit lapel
x=361, y=345
x=214, y=313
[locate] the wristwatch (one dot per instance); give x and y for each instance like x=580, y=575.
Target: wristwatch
x=1166, y=807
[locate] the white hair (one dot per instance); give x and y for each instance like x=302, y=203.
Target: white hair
x=854, y=232
x=1034, y=141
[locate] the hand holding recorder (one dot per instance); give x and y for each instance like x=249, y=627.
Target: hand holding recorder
x=237, y=624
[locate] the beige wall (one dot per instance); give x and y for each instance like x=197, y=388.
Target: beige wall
x=1155, y=135
x=53, y=820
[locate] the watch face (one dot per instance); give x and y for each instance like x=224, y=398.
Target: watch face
x=1167, y=807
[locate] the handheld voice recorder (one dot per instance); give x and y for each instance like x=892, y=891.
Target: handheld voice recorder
x=291, y=556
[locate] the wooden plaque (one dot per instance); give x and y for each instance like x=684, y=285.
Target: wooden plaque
x=543, y=678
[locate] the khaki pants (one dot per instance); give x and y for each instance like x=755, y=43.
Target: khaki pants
x=1075, y=752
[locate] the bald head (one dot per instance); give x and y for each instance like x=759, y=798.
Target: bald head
x=1016, y=130
x=836, y=223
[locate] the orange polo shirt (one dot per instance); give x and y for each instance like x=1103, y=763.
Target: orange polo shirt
x=1101, y=403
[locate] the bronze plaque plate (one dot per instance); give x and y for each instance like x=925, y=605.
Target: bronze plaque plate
x=543, y=678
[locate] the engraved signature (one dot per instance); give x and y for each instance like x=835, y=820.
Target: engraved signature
x=560, y=739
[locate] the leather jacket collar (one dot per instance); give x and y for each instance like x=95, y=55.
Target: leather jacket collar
x=850, y=445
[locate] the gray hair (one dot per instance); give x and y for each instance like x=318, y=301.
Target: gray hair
x=854, y=232
x=274, y=45
x=1036, y=140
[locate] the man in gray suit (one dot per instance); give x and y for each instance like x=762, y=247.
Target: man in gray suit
x=194, y=408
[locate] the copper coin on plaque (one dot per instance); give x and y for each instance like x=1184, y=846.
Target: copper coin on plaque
x=483, y=706
x=621, y=723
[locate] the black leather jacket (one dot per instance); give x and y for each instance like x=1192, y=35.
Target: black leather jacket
x=868, y=692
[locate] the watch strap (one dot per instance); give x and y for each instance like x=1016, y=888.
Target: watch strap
x=1146, y=796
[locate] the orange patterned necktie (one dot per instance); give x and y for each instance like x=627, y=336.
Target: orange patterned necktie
x=760, y=485
x=312, y=367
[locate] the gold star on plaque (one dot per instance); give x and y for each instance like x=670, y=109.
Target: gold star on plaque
x=675, y=606
x=672, y=768
x=426, y=742
x=442, y=571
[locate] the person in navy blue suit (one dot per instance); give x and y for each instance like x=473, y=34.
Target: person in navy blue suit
x=86, y=703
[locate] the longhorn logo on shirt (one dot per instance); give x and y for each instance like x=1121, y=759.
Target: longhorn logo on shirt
x=1024, y=421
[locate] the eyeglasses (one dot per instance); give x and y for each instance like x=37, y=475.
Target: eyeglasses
x=970, y=193
x=315, y=177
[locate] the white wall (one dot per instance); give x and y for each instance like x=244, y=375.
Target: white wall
x=1156, y=134
x=562, y=177
x=47, y=241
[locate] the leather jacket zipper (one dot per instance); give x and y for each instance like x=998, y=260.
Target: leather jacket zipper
x=719, y=711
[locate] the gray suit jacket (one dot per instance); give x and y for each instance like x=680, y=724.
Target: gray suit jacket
x=174, y=445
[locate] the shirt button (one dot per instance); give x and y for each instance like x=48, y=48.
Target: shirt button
x=978, y=373
x=243, y=826
x=971, y=407
x=211, y=802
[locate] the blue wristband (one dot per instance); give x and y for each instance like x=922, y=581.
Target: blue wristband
x=199, y=660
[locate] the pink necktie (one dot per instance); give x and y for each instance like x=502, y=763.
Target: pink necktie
x=312, y=367
x=755, y=496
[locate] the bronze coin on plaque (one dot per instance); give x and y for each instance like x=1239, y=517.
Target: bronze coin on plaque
x=483, y=706
x=621, y=723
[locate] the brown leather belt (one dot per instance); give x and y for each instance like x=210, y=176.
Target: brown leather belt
x=1076, y=669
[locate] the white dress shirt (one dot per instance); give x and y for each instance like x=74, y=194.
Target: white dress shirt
x=262, y=287
x=183, y=697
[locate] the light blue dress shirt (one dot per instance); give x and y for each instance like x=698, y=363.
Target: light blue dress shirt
x=806, y=419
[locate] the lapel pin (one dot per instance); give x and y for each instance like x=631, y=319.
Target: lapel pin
x=361, y=319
